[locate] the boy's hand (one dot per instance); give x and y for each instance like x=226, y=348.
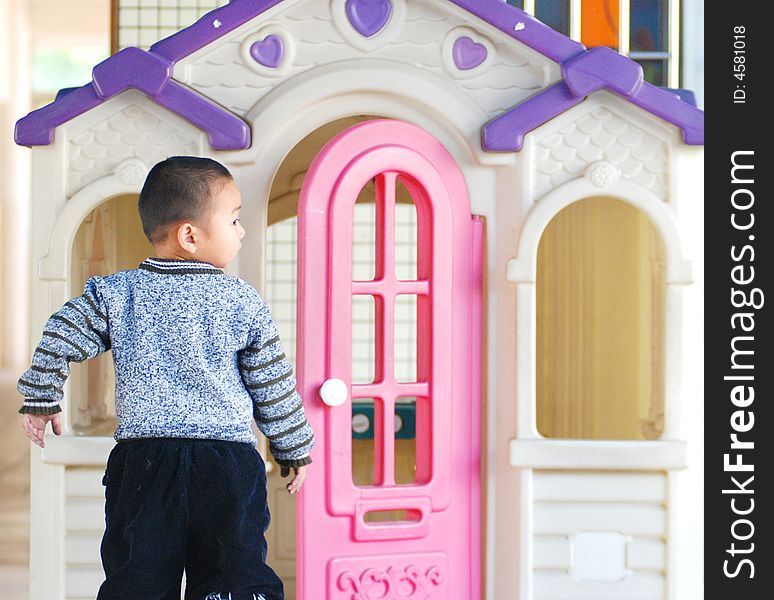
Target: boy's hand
x=35, y=426
x=298, y=480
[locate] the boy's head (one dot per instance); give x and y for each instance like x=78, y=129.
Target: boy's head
x=189, y=208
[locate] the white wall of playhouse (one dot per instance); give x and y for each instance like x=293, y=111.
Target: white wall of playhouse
x=564, y=516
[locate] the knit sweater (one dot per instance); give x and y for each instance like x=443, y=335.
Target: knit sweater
x=196, y=355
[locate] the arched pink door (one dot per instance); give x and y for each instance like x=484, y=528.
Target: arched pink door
x=434, y=551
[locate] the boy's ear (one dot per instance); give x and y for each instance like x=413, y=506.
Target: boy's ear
x=187, y=237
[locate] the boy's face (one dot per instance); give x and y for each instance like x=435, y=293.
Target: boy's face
x=221, y=237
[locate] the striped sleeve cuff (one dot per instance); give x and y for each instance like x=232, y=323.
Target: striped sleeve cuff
x=39, y=407
x=297, y=451
x=298, y=462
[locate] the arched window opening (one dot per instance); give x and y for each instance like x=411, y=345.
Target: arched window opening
x=109, y=239
x=600, y=323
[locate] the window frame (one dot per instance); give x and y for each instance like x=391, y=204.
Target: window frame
x=671, y=55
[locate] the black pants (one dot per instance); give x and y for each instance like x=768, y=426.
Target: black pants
x=183, y=504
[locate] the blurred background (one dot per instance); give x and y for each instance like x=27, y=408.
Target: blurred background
x=45, y=45
x=48, y=45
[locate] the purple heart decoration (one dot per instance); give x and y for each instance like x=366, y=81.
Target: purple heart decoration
x=368, y=17
x=467, y=53
x=268, y=51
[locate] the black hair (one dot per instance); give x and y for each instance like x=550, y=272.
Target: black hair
x=178, y=189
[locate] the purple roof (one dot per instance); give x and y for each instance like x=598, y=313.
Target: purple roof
x=592, y=70
x=150, y=71
x=152, y=75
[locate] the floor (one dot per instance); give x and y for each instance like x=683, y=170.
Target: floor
x=14, y=493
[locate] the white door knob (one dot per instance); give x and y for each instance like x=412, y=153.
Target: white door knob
x=334, y=392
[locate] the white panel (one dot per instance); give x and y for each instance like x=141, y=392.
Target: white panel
x=566, y=486
x=83, y=581
x=629, y=519
x=599, y=556
x=551, y=553
x=84, y=515
x=646, y=555
x=555, y=585
x=600, y=455
x=84, y=483
x=73, y=450
x=83, y=549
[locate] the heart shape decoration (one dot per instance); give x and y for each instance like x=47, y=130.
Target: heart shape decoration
x=268, y=51
x=368, y=17
x=468, y=54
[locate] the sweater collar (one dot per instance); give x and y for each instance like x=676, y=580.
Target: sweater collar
x=175, y=266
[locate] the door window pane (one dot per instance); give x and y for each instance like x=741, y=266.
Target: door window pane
x=363, y=452
x=364, y=240
x=363, y=340
x=405, y=235
x=405, y=351
x=405, y=441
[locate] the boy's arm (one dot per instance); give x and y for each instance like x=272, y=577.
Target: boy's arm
x=277, y=407
x=79, y=330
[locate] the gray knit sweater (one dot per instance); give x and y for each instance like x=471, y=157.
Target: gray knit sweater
x=196, y=355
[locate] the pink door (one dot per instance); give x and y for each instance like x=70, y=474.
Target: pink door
x=390, y=539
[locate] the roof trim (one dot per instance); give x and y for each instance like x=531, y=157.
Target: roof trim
x=595, y=69
x=584, y=72
x=523, y=27
x=148, y=73
x=210, y=27
x=509, y=19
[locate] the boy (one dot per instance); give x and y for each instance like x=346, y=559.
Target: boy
x=197, y=359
